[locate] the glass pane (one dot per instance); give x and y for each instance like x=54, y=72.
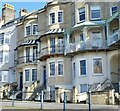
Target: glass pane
x=97, y=65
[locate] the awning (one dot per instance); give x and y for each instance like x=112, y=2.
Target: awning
x=54, y=31
x=28, y=42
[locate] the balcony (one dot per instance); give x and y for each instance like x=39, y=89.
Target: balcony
x=86, y=45
x=26, y=60
x=49, y=51
x=114, y=38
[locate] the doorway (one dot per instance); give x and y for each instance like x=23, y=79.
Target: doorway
x=21, y=81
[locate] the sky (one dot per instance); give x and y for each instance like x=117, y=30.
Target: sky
x=30, y=6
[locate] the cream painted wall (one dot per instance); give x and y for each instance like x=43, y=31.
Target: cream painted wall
x=57, y=80
x=90, y=77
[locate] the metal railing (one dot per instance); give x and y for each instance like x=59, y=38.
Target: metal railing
x=89, y=44
x=113, y=38
x=51, y=50
x=26, y=59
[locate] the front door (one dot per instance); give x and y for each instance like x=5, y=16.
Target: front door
x=44, y=75
x=21, y=81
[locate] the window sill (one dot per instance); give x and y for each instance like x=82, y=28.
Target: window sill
x=31, y=35
x=56, y=23
x=81, y=21
x=82, y=76
x=60, y=75
x=97, y=74
x=27, y=82
x=52, y=76
x=95, y=19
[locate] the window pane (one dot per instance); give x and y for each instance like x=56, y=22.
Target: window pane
x=97, y=64
x=52, y=68
x=27, y=54
x=2, y=38
x=35, y=29
x=83, y=88
x=27, y=75
x=1, y=56
x=82, y=14
x=60, y=44
x=95, y=12
x=52, y=45
x=60, y=68
x=27, y=30
x=97, y=41
x=52, y=18
x=83, y=67
x=60, y=16
x=6, y=57
x=114, y=9
x=34, y=53
x=34, y=74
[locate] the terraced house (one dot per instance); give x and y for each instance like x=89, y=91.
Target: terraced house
x=68, y=46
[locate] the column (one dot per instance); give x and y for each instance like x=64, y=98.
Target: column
x=57, y=95
x=108, y=31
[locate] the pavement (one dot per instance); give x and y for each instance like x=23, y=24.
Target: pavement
x=35, y=106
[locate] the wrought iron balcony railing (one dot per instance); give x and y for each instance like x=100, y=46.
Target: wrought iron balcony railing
x=25, y=60
x=113, y=38
x=90, y=44
x=51, y=50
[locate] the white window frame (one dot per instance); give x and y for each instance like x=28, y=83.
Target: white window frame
x=50, y=18
x=111, y=9
x=79, y=67
x=91, y=12
x=63, y=67
x=2, y=76
x=5, y=54
x=25, y=30
x=79, y=15
x=97, y=74
x=32, y=29
x=49, y=69
x=62, y=16
x=100, y=35
x=80, y=87
x=25, y=75
x=32, y=74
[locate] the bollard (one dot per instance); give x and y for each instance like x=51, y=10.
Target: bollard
x=41, y=99
x=64, y=105
x=13, y=99
x=90, y=108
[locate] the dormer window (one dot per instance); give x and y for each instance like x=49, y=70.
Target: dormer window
x=82, y=14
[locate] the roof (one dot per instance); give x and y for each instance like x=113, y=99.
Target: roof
x=13, y=21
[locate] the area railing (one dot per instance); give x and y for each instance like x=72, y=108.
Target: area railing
x=51, y=50
x=113, y=38
x=90, y=44
x=26, y=59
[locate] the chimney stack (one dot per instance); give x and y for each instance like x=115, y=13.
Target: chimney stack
x=22, y=12
x=8, y=12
